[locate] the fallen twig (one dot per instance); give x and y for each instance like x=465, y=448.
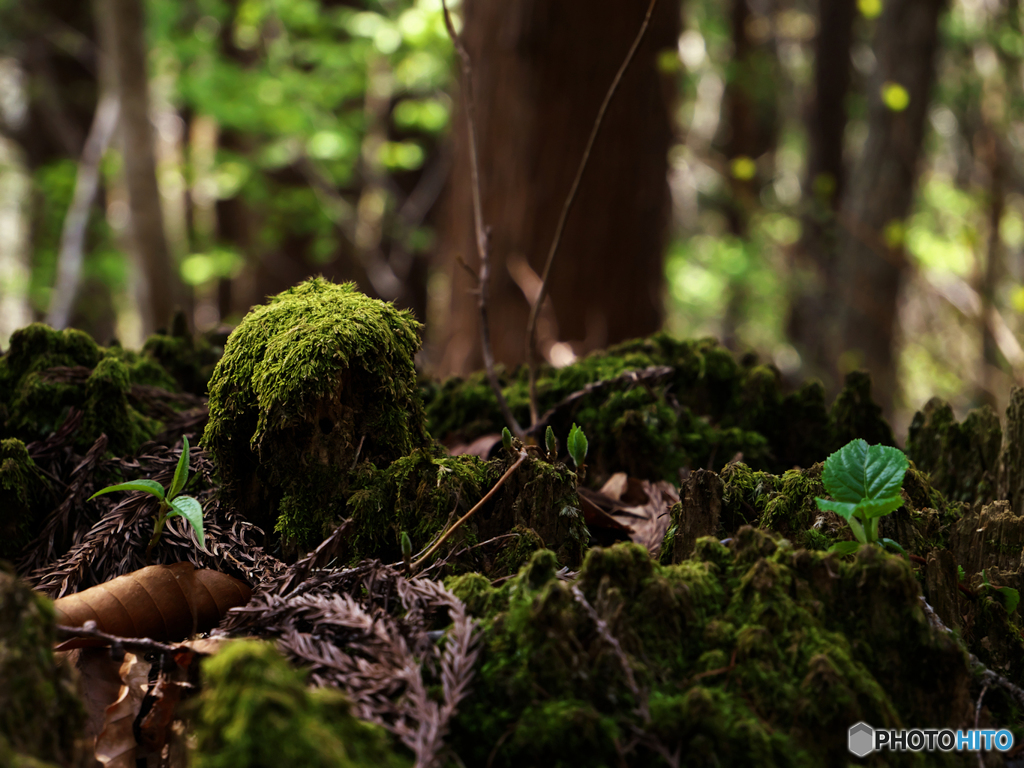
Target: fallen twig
x=458, y=523
x=531, y=325
x=482, y=231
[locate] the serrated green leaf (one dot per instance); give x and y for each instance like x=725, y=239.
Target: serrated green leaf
x=146, y=486
x=192, y=511
x=843, y=548
x=180, y=472
x=842, y=508
x=868, y=509
x=858, y=471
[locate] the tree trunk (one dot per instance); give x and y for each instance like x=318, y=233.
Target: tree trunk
x=541, y=70
x=814, y=259
x=870, y=259
x=159, y=280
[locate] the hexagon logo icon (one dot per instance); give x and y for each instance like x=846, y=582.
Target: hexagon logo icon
x=861, y=739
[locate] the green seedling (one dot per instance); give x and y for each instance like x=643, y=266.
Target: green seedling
x=551, y=443
x=506, y=439
x=406, y=551
x=1010, y=596
x=864, y=482
x=171, y=503
x=577, y=445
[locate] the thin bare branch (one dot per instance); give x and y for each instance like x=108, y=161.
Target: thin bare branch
x=482, y=231
x=531, y=326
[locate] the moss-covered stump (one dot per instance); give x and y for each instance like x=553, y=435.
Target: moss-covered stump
x=425, y=492
x=313, y=382
x=24, y=497
x=256, y=712
x=692, y=404
x=750, y=654
x=962, y=460
x=41, y=717
x=45, y=373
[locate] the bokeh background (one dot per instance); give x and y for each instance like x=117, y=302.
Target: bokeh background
x=831, y=185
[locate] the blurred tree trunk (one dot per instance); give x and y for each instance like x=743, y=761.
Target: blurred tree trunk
x=814, y=258
x=160, y=288
x=541, y=70
x=750, y=135
x=870, y=259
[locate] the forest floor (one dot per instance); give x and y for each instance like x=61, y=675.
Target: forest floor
x=381, y=578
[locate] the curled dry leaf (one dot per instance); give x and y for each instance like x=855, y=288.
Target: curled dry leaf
x=161, y=602
x=116, y=745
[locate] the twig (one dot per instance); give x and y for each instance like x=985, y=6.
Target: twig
x=458, y=523
x=90, y=631
x=531, y=326
x=482, y=232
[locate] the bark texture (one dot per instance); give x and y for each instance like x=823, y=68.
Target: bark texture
x=870, y=258
x=160, y=289
x=540, y=72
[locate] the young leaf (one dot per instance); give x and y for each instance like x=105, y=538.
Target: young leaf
x=192, y=511
x=869, y=509
x=549, y=441
x=180, y=472
x=842, y=508
x=146, y=486
x=1011, y=598
x=577, y=445
x=893, y=545
x=842, y=548
x=506, y=439
x=858, y=471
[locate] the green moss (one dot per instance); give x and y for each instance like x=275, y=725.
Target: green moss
x=962, y=460
x=23, y=497
x=751, y=654
x=45, y=373
x=255, y=712
x=706, y=409
x=315, y=380
x=41, y=717
x=425, y=492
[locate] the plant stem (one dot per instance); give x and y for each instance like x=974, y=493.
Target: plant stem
x=158, y=529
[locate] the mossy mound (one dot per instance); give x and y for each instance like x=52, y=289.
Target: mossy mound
x=256, y=712
x=750, y=654
x=316, y=380
x=41, y=717
x=24, y=497
x=45, y=373
x=705, y=409
x=425, y=492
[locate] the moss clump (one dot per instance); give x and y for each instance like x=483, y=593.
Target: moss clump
x=45, y=373
x=256, y=712
x=962, y=460
x=23, y=494
x=41, y=718
x=315, y=380
x=425, y=492
x=752, y=654
x=701, y=412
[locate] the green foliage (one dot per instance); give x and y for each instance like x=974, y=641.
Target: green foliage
x=550, y=443
x=172, y=504
x=255, y=711
x=1009, y=596
x=506, y=439
x=865, y=482
x=577, y=445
